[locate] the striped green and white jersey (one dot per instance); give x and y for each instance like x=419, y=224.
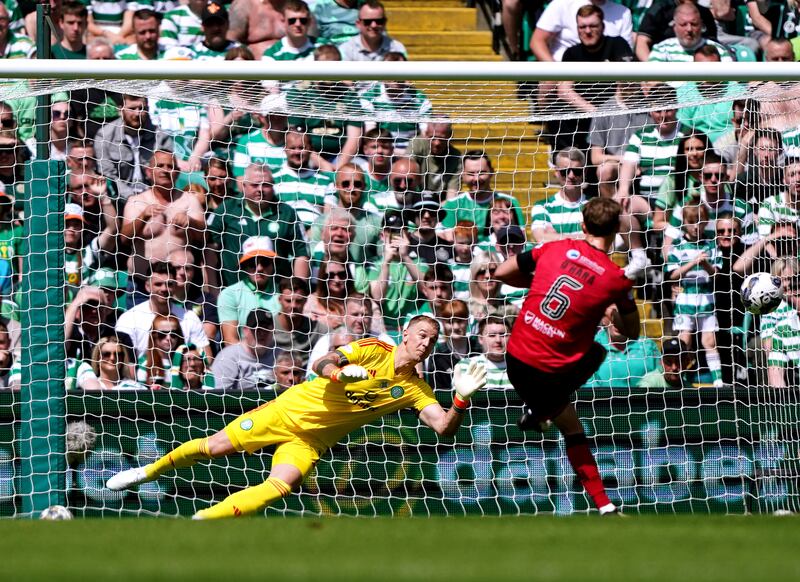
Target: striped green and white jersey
x=786, y=342
x=203, y=53
x=461, y=277
x=655, y=154
x=304, y=190
x=563, y=215
x=697, y=295
x=738, y=207
x=281, y=51
x=335, y=23
x=671, y=51
x=16, y=18
x=19, y=46
x=384, y=200
x=390, y=107
x=181, y=27
x=791, y=142
x=131, y=53
x=496, y=373
x=108, y=12
x=162, y=6
x=776, y=209
x=182, y=121
x=769, y=321
x=255, y=148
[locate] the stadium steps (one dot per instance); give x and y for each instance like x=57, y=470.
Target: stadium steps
x=446, y=30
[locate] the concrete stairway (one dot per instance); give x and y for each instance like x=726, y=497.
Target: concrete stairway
x=445, y=30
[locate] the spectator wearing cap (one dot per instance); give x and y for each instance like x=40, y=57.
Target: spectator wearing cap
x=146, y=26
x=627, y=361
x=126, y=145
x=424, y=244
x=440, y=162
x=255, y=291
x=258, y=212
x=73, y=246
x=372, y=43
x=333, y=113
x=264, y=144
x=214, y=44
x=137, y=321
x=394, y=282
x=675, y=361
x=405, y=180
x=163, y=218
x=474, y=204
x=350, y=197
x=298, y=183
x=183, y=26
x=297, y=45
x=73, y=20
x=294, y=331
x=248, y=364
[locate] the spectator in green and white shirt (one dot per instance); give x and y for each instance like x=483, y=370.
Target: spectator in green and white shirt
x=146, y=25
x=296, y=45
x=390, y=101
x=183, y=25
x=298, y=184
x=214, y=44
x=493, y=334
x=560, y=215
x=335, y=19
x=404, y=181
x=783, y=207
x=106, y=19
x=693, y=263
x=264, y=144
x=377, y=152
x=780, y=330
x=688, y=28
x=13, y=45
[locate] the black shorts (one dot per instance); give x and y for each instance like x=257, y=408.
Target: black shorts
x=547, y=394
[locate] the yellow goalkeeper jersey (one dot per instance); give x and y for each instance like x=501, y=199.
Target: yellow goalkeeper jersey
x=325, y=411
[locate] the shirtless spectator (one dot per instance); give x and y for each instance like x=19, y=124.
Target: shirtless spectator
x=257, y=23
x=163, y=218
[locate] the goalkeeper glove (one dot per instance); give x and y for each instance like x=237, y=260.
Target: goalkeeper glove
x=466, y=383
x=349, y=373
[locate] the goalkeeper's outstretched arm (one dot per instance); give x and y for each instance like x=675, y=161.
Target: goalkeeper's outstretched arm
x=336, y=367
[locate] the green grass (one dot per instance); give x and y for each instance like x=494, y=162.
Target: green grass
x=675, y=548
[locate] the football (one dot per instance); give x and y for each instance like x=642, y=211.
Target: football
x=762, y=293
x=56, y=513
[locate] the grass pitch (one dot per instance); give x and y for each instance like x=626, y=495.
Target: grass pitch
x=675, y=548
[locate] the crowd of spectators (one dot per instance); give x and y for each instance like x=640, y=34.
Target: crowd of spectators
x=212, y=248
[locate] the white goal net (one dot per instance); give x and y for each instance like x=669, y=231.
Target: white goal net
x=194, y=216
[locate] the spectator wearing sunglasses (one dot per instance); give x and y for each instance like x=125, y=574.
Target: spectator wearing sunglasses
x=256, y=289
x=297, y=45
x=154, y=367
x=372, y=42
x=560, y=216
x=109, y=368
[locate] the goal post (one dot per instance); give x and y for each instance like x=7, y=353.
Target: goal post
x=698, y=448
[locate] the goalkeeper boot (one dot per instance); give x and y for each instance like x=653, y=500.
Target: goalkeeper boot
x=127, y=479
x=529, y=422
x=611, y=510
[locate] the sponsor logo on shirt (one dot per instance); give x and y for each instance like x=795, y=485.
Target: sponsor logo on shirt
x=542, y=326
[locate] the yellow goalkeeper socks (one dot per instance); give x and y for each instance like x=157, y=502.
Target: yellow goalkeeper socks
x=185, y=455
x=247, y=501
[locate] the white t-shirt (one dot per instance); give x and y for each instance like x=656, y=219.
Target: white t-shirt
x=560, y=17
x=138, y=321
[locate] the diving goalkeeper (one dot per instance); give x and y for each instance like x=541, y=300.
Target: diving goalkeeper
x=356, y=384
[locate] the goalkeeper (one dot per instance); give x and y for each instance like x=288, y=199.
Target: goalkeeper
x=357, y=384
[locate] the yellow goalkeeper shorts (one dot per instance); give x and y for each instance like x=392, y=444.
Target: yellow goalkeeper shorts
x=264, y=426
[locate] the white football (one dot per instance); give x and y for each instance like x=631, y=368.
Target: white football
x=56, y=513
x=762, y=293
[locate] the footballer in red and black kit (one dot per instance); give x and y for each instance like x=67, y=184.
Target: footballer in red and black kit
x=552, y=352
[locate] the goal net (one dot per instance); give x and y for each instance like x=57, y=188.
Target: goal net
x=190, y=247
